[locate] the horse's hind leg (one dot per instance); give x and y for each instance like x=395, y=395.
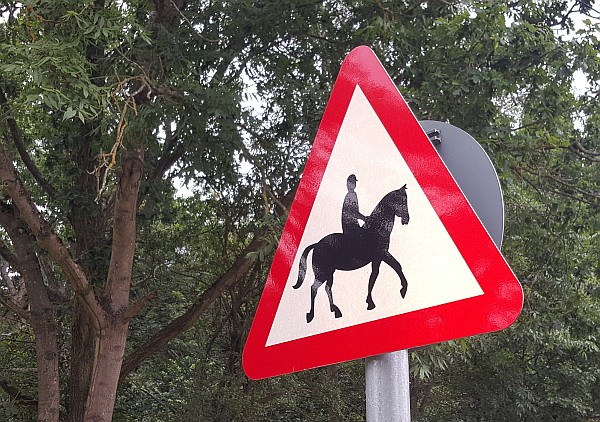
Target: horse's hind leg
x=374, y=273
x=313, y=293
x=336, y=311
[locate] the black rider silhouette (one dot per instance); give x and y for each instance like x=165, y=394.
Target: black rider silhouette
x=350, y=212
x=366, y=245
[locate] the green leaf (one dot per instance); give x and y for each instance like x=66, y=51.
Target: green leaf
x=70, y=113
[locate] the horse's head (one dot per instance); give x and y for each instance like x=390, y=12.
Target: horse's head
x=392, y=205
x=400, y=204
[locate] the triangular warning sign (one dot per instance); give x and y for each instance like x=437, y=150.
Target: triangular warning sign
x=381, y=251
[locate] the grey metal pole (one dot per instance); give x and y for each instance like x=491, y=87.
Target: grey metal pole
x=387, y=387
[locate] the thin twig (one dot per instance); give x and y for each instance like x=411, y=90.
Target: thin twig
x=263, y=176
x=17, y=140
x=187, y=21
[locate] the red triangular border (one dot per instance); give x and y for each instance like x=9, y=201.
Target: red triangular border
x=496, y=309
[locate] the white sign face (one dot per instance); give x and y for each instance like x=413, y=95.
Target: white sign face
x=434, y=268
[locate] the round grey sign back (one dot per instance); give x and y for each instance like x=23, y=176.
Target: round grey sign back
x=474, y=173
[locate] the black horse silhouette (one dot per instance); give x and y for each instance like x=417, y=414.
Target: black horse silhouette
x=370, y=244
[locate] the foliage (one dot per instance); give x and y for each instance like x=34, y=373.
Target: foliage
x=224, y=99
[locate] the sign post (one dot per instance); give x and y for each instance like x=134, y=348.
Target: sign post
x=388, y=387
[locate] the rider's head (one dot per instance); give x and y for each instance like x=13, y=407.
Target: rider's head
x=351, y=182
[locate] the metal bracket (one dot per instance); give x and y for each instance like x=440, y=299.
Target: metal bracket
x=435, y=136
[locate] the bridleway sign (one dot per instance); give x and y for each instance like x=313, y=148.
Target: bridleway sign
x=381, y=250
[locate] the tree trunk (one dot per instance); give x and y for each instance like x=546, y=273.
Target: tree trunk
x=41, y=316
x=103, y=320
x=83, y=352
x=46, y=348
x=103, y=391
x=89, y=222
x=113, y=332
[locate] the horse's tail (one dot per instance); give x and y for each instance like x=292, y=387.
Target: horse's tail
x=302, y=269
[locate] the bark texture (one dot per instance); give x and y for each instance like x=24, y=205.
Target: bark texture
x=113, y=332
x=101, y=323
x=41, y=315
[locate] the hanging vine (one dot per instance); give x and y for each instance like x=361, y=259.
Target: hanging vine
x=108, y=160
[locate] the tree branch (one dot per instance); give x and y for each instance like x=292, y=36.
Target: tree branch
x=236, y=271
x=263, y=175
x=138, y=306
x=172, y=152
x=118, y=284
x=15, y=308
x=167, y=10
x=153, y=344
x=12, y=290
x=17, y=139
x=44, y=234
x=6, y=253
x=580, y=150
x=14, y=394
x=190, y=25
x=41, y=315
x=584, y=193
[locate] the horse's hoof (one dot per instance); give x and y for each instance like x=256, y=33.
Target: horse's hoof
x=403, y=291
x=337, y=313
x=370, y=305
x=309, y=317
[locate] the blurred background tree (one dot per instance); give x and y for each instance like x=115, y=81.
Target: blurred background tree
x=149, y=152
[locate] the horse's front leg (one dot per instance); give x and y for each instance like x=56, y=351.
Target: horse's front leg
x=374, y=274
x=392, y=262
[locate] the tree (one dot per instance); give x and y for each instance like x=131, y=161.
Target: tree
x=108, y=107
x=154, y=93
